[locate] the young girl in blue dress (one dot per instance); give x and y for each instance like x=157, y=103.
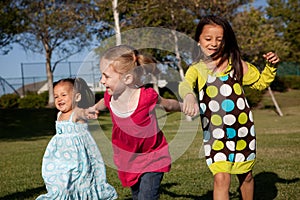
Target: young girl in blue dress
x=73, y=167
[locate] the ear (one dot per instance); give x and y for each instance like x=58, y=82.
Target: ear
x=128, y=79
x=77, y=97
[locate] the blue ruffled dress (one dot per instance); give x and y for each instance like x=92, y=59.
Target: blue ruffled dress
x=73, y=167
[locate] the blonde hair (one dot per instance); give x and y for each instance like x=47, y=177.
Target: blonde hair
x=125, y=59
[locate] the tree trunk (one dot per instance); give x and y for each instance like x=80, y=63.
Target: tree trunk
x=178, y=58
x=275, y=102
x=117, y=22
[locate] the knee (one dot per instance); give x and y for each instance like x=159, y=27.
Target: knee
x=246, y=178
x=222, y=179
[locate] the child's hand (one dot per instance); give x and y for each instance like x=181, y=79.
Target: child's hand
x=190, y=106
x=91, y=113
x=271, y=58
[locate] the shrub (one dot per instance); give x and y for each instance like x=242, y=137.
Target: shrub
x=32, y=101
x=253, y=96
x=279, y=85
x=291, y=81
x=9, y=101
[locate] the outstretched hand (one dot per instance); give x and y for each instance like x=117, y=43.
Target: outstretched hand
x=271, y=57
x=190, y=106
x=91, y=113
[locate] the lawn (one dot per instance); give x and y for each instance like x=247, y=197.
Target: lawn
x=25, y=134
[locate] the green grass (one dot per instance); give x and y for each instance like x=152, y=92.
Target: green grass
x=25, y=134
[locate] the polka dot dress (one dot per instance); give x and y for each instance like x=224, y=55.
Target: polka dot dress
x=73, y=167
x=227, y=122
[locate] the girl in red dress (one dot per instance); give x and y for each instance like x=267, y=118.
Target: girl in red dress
x=141, y=151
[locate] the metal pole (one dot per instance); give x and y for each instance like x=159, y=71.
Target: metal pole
x=70, y=71
x=23, y=82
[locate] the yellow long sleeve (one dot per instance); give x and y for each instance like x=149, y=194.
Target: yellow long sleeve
x=257, y=80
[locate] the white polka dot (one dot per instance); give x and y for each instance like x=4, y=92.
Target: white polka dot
x=214, y=106
x=230, y=145
x=201, y=95
x=242, y=132
x=250, y=116
x=220, y=157
x=247, y=105
x=252, y=131
x=207, y=149
x=251, y=156
x=206, y=136
x=218, y=133
x=205, y=122
x=240, y=103
x=225, y=90
x=239, y=157
x=211, y=79
x=231, y=73
x=209, y=161
x=229, y=119
x=202, y=108
x=252, y=144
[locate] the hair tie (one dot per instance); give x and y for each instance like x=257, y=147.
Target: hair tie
x=134, y=58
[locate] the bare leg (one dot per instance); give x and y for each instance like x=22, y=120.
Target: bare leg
x=221, y=186
x=246, y=185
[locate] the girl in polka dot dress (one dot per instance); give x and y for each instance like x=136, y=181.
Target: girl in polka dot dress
x=72, y=164
x=227, y=121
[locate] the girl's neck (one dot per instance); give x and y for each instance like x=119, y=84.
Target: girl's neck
x=127, y=100
x=212, y=65
x=65, y=116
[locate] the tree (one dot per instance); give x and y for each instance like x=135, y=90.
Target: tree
x=285, y=16
x=56, y=28
x=254, y=41
x=11, y=24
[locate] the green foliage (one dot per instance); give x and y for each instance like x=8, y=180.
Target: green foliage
x=279, y=85
x=32, y=101
x=98, y=96
x=285, y=17
x=9, y=101
x=254, y=41
x=169, y=95
x=253, y=96
x=292, y=82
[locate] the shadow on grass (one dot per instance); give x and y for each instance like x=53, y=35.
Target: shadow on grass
x=265, y=188
x=165, y=190
x=30, y=193
x=265, y=185
x=23, y=124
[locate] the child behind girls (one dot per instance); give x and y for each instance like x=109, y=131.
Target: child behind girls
x=72, y=164
x=227, y=121
x=140, y=149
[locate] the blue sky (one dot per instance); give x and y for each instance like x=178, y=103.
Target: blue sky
x=10, y=64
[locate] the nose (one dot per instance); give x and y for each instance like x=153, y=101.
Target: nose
x=215, y=42
x=102, y=80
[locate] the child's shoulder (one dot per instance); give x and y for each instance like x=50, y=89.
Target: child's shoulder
x=148, y=94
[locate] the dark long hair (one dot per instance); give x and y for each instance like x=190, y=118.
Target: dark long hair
x=79, y=85
x=229, y=46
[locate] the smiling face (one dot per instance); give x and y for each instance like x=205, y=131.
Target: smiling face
x=211, y=38
x=111, y=79
x=63, y=96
